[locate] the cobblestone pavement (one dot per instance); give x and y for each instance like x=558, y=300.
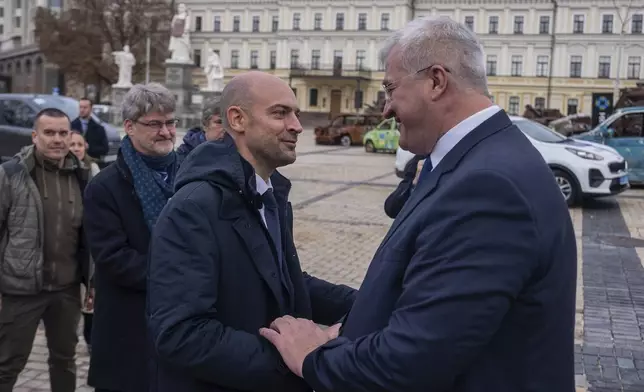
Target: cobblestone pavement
x=338, y=196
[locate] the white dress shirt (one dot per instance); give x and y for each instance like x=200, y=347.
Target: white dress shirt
x=262, y=186
x=456, y=134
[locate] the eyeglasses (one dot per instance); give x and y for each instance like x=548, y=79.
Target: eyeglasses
x=390, y=87
x=158, y=125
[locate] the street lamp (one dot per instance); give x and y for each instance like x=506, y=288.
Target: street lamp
x=553, y=41
x=623, y=21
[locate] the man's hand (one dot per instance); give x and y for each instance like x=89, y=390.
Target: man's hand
x=297, y=338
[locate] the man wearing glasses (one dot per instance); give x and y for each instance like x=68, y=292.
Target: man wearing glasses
x=122, y=204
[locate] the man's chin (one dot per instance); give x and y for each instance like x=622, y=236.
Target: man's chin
x=164, y=147
x=287, y=158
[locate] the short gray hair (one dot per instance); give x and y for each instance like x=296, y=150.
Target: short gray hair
x=211, y=107
x=147, y=98
x=440, y=40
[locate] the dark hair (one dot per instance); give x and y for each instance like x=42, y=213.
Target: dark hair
x=50, y=112
x=88, y=100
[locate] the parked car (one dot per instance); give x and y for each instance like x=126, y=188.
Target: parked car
x=346, y=129
x=102, y=111
x=384, y=137
x=623, y=131
x=17, y=113
x=583, y=169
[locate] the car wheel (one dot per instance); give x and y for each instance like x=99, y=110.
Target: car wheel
x=369, y=147
x=345, y=140
x=567, y=186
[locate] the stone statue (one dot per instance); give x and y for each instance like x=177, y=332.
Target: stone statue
x=180, y=36
x=125, y=60
x=214, y=72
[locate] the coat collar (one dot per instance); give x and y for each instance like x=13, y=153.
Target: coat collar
x=497, y=123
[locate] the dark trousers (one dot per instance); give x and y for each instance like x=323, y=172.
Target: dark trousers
x=87, y=328
x=19, y=320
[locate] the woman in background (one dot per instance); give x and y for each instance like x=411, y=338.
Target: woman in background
x=78, y=147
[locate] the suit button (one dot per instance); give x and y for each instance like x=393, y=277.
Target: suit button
x=274, y=275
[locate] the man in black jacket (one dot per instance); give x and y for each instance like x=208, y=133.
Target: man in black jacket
x=94, y=133
x=122, y=204
x=222, y=260
x=396, y=200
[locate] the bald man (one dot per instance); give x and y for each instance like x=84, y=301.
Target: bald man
x=223, y=263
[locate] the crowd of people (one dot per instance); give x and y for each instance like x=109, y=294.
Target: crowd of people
x=192, y=279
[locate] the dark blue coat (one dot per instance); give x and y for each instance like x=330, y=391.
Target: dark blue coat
x=213, y=281
x=472, y=289
x=192, y=138
x=119, y=239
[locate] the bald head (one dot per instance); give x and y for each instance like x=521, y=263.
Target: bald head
x=243, y=90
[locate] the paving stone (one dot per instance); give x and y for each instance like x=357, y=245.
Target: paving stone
x=613, y=296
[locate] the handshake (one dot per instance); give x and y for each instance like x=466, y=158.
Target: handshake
x=295, y=338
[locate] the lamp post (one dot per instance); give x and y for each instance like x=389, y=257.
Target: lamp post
x=147, y=59
x=553, y=41
x=622, y=28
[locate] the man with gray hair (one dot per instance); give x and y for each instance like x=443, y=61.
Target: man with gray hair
x=210, y=129
x=473, y=288
x=122, y=204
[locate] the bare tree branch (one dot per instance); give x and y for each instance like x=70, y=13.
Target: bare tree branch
x=77, y=39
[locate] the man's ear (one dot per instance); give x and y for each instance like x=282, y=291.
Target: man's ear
x=236, y=119
x=128, y=126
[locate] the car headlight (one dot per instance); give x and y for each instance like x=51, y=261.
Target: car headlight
x=585, y=154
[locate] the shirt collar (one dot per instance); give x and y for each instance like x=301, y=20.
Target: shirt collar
x=456, y=134
x=261, y=185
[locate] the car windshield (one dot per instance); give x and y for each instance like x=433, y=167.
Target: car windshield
x=66, y=104
x=539, y=132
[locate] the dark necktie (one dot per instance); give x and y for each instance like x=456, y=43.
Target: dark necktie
x=424, y=172
x=271, y=215
x=273, y=221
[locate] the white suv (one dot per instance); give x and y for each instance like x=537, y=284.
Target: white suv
x=581, y=168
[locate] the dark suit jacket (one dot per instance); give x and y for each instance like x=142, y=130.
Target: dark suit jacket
x=472, y=289
x=95, y=136
x=213, y=281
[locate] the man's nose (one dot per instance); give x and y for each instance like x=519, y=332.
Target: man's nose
x=294, y=124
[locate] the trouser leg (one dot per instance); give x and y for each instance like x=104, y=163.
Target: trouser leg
x=87, y=328
x=19, y=319
x=61, y=320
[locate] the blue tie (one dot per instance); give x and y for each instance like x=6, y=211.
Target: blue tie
x=424, y=172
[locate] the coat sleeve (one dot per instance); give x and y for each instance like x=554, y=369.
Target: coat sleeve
x=465, y=271
x=102, y=146
x=182, y=309
x=5, y=197
x=397, y=199
x=107, y=240
x=330, y=302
